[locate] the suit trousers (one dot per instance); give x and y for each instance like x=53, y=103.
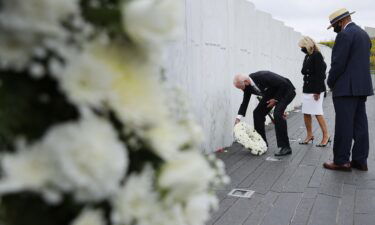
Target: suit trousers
x=350, y=125
x=281, y=128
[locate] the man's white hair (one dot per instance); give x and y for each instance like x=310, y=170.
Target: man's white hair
x=239, y=80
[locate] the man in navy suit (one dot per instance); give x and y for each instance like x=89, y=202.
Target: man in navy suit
x=276, y=91
x=350, y=82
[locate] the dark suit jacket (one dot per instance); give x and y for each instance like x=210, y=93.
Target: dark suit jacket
x=350, y=66
x=314, y=71
x=270, y=84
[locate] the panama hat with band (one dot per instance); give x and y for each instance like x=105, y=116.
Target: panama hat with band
x=338, y=15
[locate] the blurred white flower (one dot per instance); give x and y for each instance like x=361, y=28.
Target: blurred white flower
x=167, y=139
x=138, y=201
x=88, y=79
x=137, y=98
x=24, y=25
x=39, y=16
x=28, y=169
x=197, y=210
x=103, y=74
x=218, y=165
x=36, y=70
x=90, y=217
x=123, y=77
x=249, y=138
x=84, y=157
x=152, y=22
x=188, y=174
x=90, y=158
x=180, y=112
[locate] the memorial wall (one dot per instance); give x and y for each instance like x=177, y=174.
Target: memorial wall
x=223, y=38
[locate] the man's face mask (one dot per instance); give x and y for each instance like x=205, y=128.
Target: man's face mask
x=304, y=50
x=337, y=28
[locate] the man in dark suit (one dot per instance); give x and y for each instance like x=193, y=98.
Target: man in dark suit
x=276, y=91
x=350, y=82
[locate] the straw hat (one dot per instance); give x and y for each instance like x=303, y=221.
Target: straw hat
x=338, y=15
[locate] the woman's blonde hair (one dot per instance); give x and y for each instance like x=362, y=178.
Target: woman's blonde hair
x=309, y=44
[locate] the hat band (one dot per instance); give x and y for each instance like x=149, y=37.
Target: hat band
x=340, y=17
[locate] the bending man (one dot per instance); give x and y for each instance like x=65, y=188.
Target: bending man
x=276, y=91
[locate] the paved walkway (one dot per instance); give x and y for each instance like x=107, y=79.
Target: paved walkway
x=297, y=190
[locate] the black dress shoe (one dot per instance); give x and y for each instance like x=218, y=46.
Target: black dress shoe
x=358, y=166
x=284, y=151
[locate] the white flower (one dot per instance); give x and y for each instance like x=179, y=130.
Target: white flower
x=249, y=138
x=189, y=173
x=90, y=217
x=28, y=169
x=197, y=210
x=139, y=202
x=84, y=157
x=180, y=112
x=138, y=100
x=91, y=159
x=221, y=177
x=88, y=79
x=152, y=22
x=123, y=77
x=136, y=199
x=113, y=75
x=24, y=25
x=167, y=139
x=40, y=16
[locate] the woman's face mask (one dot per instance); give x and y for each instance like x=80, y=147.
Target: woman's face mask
x=304, y=50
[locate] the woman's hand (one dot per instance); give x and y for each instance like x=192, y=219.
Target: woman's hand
x=316, y=97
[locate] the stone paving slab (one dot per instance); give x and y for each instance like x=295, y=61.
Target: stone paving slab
x=297, y=190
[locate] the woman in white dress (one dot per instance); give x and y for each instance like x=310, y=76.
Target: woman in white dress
x=314, y=74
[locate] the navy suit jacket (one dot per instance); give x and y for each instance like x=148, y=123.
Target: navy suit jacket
x=270, y=84
x=350, y=67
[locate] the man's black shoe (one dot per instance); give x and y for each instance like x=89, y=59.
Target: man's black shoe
x=284, y=151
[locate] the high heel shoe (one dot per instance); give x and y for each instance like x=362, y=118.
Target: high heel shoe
x=324, y=145
x=307, y=140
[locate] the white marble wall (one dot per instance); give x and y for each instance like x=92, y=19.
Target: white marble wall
x=223, y=38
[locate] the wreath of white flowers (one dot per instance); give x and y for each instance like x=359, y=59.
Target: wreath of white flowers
x=246, y=135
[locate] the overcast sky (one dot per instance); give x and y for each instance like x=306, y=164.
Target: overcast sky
x=310, y=17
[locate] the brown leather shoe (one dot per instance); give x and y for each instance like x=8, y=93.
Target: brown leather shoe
x=358, y=166
x=332, y=166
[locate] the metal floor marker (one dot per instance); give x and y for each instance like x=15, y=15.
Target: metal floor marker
x=241, y=193
x=294, y=140
x=273, y=159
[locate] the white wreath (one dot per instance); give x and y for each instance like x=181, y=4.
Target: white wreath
x=246, y=135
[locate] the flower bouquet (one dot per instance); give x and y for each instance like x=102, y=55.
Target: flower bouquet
x=246, y=135
x=88, y=135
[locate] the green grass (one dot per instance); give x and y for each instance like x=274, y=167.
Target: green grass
x=327, y=43
x=372, y=57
